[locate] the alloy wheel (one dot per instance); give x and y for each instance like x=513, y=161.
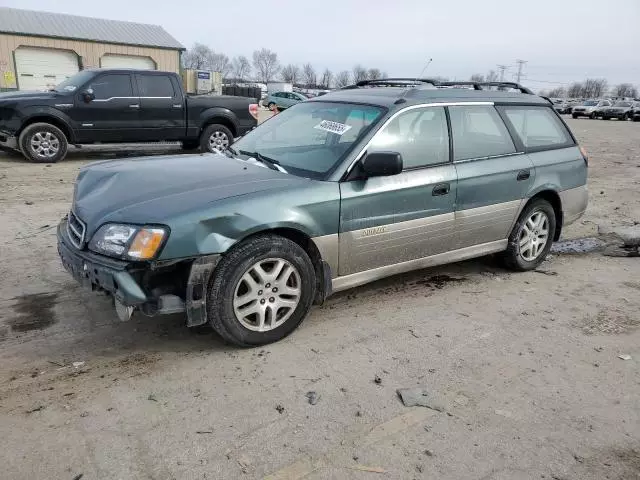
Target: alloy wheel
x=534, y=236
x=218, y=141
x=44, y=144
x=267, y=294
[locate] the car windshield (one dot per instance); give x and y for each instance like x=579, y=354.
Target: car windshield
x=590, y=103
x=310, y=139
x=72, y=83
x=622, y=104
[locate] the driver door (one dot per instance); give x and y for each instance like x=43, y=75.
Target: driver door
x=395, y=219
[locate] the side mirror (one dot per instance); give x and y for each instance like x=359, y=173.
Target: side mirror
x=382, y=164
x=88, y=95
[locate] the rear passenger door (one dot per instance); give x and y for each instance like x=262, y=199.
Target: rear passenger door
x=395, y=219
x=162, y=107
x=493, y=175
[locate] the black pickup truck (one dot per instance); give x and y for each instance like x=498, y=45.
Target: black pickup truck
x=119, y=106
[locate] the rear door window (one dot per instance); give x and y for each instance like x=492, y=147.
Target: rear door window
x=478, y=132
x=158, y=86
x=538, y=127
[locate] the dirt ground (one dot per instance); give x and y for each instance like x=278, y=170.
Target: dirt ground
x=525, y=366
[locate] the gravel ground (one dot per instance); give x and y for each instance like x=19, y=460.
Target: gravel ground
x=525, y=367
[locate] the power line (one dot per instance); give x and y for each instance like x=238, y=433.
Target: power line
x=502, y=68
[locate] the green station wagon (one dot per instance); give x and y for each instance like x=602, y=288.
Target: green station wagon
x=373, y=180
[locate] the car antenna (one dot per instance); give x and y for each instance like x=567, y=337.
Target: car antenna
x=401, y=99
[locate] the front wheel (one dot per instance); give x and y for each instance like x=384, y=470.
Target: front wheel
x=593, y=116
x=531, y=237
x=261, y=291
x=574, y=115
x=43, y=143
x=625, y=117
x=216, y=138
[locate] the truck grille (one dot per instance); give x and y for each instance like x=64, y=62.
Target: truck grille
x=76, y=230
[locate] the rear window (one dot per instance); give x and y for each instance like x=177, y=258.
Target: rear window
x=538, y=127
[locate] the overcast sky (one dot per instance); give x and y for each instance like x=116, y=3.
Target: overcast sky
x=562, y=40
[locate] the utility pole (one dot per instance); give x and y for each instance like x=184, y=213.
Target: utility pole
x=502, y=68
x=521, y=64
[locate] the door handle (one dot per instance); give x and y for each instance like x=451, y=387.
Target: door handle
x=523, y=175
x=441, y=189
x=135, y=105
x=179, y=105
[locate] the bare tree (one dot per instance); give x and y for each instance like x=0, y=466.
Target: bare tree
x=309, y=75
x=326, y=79
x=558, y=92
x=266, y=64
x=359, y=73
x=241, y=67
x=290, y=74
x=625, y=90
x=197, y=57
x=343, y=79
x=219, y=62
x=574, y=90
x=492, y=76
x=374, y=74
x=477, y=77
x=594, y=87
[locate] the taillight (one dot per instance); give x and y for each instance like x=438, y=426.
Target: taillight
x=584, y=155
x=253, y=110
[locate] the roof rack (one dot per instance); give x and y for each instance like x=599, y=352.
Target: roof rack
x=479, y=85
x=391, y=82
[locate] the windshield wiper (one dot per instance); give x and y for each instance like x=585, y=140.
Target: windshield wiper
x=269, y=162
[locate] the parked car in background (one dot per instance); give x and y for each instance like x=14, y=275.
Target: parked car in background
x=635, y=112
x=562, y=107
x=620, y=110
x=590, y=108
x=283, y=100
x=120, y=106
x=338, y=191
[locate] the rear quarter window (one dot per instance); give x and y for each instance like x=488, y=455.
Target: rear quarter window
x=538, y=127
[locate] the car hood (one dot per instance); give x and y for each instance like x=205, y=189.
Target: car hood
x=157, y=189
x=31, y=95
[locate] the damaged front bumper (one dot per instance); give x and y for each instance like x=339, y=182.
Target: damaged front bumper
x=154, y=288
x=8, y=142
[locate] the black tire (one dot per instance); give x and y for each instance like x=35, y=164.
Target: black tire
x=190, y=145
x=210, y=130
x=625, y=117
x=228, y=275
x=593, y=116
x=635, y=119
x=512, y=257
x=51, y=137
x=605, y=117
x=574, y=115
x=270, y=105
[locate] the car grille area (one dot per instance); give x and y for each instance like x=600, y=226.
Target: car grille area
x=76, y=230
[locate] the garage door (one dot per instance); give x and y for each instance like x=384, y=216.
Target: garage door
x=43, y=68
x=127, y=61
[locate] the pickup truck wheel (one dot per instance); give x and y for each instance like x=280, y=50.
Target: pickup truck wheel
x=531, y=237
x=43, y=143
x=261, y=291
x=216, y=138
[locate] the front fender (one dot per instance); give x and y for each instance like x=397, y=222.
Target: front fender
x=44, y=112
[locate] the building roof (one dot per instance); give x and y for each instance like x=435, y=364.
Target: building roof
x=59, y=25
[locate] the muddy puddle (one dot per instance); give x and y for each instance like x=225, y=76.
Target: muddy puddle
x=33, y=312
x=577, y=246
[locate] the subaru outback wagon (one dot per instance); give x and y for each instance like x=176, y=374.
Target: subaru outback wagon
x=374, y=180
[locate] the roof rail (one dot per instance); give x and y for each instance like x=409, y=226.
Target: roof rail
x=391, y=82
x=479, y=85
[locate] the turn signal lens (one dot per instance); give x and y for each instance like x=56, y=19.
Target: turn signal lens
x=584, y=155
x=146, y=243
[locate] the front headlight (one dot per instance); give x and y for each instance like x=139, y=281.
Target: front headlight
x=128, y=241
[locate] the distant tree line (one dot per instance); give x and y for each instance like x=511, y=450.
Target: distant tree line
x=592, y=88
x=265, y=67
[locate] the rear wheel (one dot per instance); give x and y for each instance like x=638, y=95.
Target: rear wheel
x=531, y=237
x=261, y=291
x=216, y=138
x=593, y=116
x=271, y=105
x=574, y=115
x=625, y=117
x=43, y=143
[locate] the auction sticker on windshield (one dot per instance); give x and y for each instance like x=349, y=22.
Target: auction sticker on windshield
x=333, y=127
